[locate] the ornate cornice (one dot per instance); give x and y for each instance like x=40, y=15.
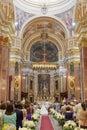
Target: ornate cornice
x=16, y=51
x=8, y=10
x=73, y=51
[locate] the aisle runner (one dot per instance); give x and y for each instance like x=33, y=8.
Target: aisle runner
x=46, y=123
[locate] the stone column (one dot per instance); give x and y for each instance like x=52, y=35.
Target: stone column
x=52, y=85
x=83, y=68
x=11, y=74
x=77, y=79
x=15, y=56
x=28, y=85
x=4, y=68
x=35, y=86
x=81, y=32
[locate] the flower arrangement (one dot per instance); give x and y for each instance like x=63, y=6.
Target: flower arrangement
x=24, y=128
x=37, y=111
x=69, y=125
x=29, y=125
x=52, y=111
x=58, y=116
x=61, y=119
x=36, y=115
x=77, y=128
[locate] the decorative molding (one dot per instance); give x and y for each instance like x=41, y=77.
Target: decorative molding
x=8, y=10
x=80, y=10
x=53, y=7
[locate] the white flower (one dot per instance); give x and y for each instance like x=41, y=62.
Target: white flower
x=35, y=116
x=77, y=128
x=23, y=128
x=29, y=124
x=37, y=111
x=70, y=124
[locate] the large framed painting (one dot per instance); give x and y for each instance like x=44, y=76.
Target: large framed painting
x=44, y=84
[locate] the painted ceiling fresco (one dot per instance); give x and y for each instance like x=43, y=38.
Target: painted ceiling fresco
x=67, y=18
x=39, y=49
x=21, y=17
x=43, y=24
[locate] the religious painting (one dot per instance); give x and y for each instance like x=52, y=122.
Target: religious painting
x=41, y=51
x=66, y=17
x=71, y=68
x=58, y=29
x=30, y=30
x=44, y=84
x=16, y=81
x=44, y=25
x=16, y=69
x=21, y=17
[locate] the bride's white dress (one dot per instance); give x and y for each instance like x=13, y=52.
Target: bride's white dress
x=43, y=110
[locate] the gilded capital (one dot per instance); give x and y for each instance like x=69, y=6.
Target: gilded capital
x=4, y=41
x=82, y=42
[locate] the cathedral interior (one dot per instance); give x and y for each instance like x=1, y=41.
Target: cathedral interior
x=43, y=47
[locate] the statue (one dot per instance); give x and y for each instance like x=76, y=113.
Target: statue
x=44, y=89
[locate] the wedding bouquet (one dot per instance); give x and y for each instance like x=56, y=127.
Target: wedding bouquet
x=69, y=125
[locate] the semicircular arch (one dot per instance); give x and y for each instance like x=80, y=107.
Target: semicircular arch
x=34, y=18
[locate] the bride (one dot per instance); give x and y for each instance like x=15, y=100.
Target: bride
x=43, y=110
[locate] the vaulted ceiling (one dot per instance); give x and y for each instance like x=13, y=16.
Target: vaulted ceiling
x=56, y=21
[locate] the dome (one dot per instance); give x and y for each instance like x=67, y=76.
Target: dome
x=52, y=6
x=48, y=2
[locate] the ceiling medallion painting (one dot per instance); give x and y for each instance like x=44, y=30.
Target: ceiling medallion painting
x=37, y=52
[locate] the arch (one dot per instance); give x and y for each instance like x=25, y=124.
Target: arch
x=55, y=40
x=51, y=36
x=44, y=51
x=38, y=17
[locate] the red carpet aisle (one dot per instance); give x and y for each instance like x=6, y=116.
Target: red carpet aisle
x=46, y=123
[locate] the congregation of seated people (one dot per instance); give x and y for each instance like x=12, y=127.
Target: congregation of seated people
x=16, y=113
